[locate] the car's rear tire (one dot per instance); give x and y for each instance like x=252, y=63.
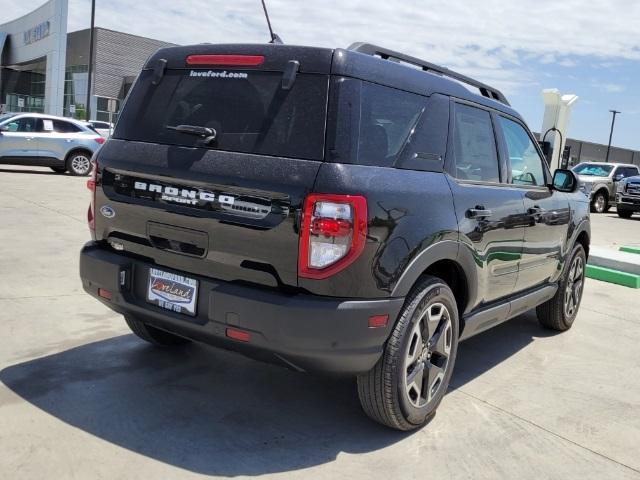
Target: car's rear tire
x=153, y=335
x=560, y=312
x=59, y=169
x=409, y=381
x=79, y=163
x=600, y=202
x=624, y=213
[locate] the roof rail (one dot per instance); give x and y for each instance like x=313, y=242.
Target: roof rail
x=386, y=54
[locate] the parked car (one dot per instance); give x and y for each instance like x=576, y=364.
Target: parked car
x=628, y=196
x=44, y=140
x=103, y=128
x=599, y=180
x=350, y=212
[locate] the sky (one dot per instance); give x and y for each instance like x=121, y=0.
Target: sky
x=590, y=48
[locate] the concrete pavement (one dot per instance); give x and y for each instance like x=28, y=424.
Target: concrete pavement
x=80, y=397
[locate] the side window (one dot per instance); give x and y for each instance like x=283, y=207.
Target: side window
x=475, y=145
x=369, y=124
x=629, y=172
x=27, y=125
x=526, y=163
x=61, y=126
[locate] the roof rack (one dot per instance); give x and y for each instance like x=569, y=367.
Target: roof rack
x=386, y=54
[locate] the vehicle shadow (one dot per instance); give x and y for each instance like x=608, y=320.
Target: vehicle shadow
x=218, y=413
x=32, y=172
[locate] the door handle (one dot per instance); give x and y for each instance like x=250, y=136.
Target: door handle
x=479, y=212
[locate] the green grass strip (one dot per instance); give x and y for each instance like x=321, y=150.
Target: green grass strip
x=613, y=276
x=630, y=250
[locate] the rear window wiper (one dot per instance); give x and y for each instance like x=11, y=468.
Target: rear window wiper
x=208, y=134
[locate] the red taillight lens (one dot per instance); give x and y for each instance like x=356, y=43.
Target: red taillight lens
x=99, y=140
x=332, y=233
x=91, y=185
x=226, y=60
x=106, y=294
x=239, y=335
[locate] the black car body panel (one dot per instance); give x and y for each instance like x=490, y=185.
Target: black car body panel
x=228, y=210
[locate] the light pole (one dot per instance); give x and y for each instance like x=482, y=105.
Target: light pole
x=87, y=107
x=613, y=122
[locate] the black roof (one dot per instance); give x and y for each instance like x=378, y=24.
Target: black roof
x=365, y=65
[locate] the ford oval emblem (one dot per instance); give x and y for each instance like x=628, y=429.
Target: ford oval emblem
x=107, y=211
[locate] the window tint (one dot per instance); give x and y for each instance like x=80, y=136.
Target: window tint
x=28, y=124
x=475, y=145
x=526, y=163
x=628, y=171
x=65, y=127
x=249, y=111
x=369, y=124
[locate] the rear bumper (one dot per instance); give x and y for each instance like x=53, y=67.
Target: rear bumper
x=305, y=332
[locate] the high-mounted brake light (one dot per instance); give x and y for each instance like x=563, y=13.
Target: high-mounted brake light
x=332, y=233
x=91, y=185
x=226, y=60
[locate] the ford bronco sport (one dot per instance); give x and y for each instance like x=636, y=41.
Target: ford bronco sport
x=351, y=211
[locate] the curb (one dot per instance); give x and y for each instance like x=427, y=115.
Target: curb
x=613, y=276
x=630, y=249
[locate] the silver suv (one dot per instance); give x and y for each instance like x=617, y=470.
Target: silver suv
x=599, y=179
x=60, y=143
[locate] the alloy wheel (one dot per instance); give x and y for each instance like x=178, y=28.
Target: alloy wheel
x=428, y=355
x=600, y=203
x=81, y=164
x=573, y=290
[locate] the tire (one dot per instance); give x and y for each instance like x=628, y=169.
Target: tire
x=600, y=202
x=79, y=163
x=59, y=169
x=393, y=392
x=624, y=213
x=153, y=335
x=555, y=314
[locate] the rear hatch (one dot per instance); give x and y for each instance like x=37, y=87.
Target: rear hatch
x=211, y=158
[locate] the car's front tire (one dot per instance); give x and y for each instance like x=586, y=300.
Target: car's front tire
x=153, y=335
x=560, y=312
x=600, y=202
x=623, y=212
x=409, y=381
x=79, y=163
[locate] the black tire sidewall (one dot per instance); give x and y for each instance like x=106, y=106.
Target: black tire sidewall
x=577, y=250
x=435, y=292
x=595, y=202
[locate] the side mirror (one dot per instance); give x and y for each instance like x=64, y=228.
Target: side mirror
x=4, y=128
x=565, y=181
x=618, y=177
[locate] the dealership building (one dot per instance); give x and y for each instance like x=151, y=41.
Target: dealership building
x=44, y=69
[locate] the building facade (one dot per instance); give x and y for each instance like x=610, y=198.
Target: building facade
x=43, y=69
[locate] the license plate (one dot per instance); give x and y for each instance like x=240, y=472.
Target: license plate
x=173, y=292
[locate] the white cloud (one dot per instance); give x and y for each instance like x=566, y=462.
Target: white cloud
x=608, y=87
x=488, y=39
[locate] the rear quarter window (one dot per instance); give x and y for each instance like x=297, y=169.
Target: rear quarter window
x=369, y=124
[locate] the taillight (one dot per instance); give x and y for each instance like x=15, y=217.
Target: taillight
x=225, y=60
x=332, y=234
x=99, y=140
x=91, y=185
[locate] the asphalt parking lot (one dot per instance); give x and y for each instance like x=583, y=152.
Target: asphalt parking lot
x=80, y=397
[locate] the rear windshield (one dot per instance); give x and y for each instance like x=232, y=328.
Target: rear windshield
x=249, y=111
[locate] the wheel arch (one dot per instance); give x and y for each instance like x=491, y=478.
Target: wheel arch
x=78, y=149
x=440, y=260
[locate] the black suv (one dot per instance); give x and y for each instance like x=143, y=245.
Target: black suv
x=351, y=211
